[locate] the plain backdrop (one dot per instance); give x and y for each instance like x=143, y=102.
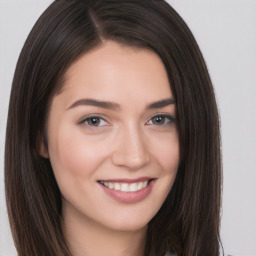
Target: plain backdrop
x=226, y=33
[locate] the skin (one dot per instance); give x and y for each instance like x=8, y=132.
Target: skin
x=126, y=141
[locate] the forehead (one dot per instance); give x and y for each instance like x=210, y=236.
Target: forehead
x=114, y=70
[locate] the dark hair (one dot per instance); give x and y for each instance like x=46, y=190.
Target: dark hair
x=189, y=219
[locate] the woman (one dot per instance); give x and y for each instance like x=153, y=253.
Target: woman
x=112, y=144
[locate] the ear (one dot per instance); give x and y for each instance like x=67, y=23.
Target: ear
x=42, y=146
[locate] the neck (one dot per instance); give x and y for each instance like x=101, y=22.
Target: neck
x=87, y=238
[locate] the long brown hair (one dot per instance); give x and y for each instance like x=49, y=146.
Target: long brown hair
x=189, y=219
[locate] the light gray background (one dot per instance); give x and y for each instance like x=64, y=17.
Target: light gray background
x=226, y=33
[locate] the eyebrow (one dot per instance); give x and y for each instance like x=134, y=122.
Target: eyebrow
x=116, y=107
x=96, y=103
x=161, y=103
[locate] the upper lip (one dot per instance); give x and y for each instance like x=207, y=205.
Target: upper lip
x=141, y=179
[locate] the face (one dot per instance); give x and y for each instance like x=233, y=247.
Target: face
x=112, y=137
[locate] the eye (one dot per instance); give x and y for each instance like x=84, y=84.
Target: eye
x=93, y=121
x=161, y=120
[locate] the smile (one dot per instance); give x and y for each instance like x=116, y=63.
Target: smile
x=127, y=190
x=126, y=187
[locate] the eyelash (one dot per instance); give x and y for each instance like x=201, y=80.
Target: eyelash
x=168, y=120
x=86, y=119
x=163, y=116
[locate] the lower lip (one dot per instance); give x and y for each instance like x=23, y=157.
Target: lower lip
x=129, y=197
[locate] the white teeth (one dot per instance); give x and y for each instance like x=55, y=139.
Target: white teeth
x=133, y=187
x=144, y=184
x=111, y=185
x=125, y=187
x=140, y=185
x=117, y=186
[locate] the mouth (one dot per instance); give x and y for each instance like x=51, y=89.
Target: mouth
x=128, y=190
x=126, y=186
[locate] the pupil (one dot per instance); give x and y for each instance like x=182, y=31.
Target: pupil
x=159, y=120
x=94, y=121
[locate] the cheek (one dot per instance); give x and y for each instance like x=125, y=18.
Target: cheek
x=167, y=153
x=73, y=156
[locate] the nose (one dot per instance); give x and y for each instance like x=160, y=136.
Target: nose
x=131, y=150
